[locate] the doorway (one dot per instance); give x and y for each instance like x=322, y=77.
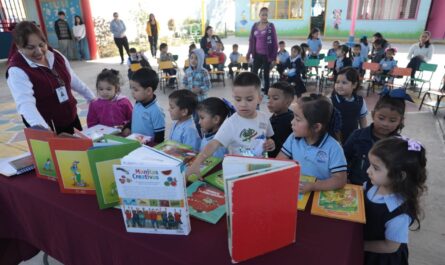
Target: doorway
x=318, y=14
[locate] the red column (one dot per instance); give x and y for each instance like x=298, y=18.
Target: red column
x=42, y=22
x=89, y=27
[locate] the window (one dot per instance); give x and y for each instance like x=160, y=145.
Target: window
x=380, y=10
x=11, y=12
x=279, y=9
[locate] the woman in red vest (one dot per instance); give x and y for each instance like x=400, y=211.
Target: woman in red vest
x=41, y=79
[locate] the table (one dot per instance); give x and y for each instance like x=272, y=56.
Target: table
x=72, y=229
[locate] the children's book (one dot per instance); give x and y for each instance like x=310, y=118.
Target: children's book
x=261, y=195
x=37, y=140
x=216, y=180
x=187, y=155
x=143, y=139
x=97, y=132
x=152, y=192
x=345, y=204
x=101, y=159
x=205, y=202
x=304, y=197
x=16, y=165
x=72, y=164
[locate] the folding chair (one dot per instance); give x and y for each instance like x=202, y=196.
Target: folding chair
x=213, y=61
x=327, y=75
x=424, y=75
x=312, y=63
x=242, y=61
x=164, y=77
x=440, y=94
x=373, y=68
x=400, y=72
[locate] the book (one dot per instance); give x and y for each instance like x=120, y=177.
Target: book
x=344, y=204
x=304, y=197
x=216, y=180
x=187, y=155
x=97, y=132
x=43, y=160
x=152, y=192
x=143, y=139
x=206, y=202
x=72, y=164
x=101, y=159
x=16, y=165
x=261, y=195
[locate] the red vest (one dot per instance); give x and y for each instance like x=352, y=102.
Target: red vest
x=44, y=86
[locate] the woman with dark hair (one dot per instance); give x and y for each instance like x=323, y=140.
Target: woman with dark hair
x=209, y=42
x=117, y=27
x=79, y=36
x=419, y=53
x=263, y=46
x=41, y=82
x=379, y=36
x=152, y=30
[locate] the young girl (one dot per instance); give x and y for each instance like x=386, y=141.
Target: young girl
x=364, y=47
x=343, y=59
x=387, y=64
x=212, y=112
x=398, y=175
x=79, y=37
x=333, y=51
x=318, y=154
x=296, y=69
x=351, y=106
x=110, y=108
x=388, y=116
x=357, y=59
x=314, y=43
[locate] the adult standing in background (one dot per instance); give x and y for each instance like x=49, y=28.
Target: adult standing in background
x=64, y=36
x=41, y=81
x=117, y=27
x=79, y=37
x=419, y=53
x=263, y=46
x=152, y=30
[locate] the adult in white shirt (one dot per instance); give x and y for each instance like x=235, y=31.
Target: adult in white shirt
x=420, y=52
x=41, y=81
x=79, y=36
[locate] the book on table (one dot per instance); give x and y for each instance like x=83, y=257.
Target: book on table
x=261, y=195
x=43, y=160
x=216, y=179
x=16, y=165
x=152, y=192
x=96, y=132
x=206, y=202
x=303, y=198
x=346, y=203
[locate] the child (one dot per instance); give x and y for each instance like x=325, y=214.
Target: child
x=388, y=116
x=296, y=69
x=166, y=56
x=378, y=52
x=333, y=51
x=304, y=51
x=342, y=60
x=318, y=154
x=314, y=43
x=364, y=47
x=196, y=77
x=386, y=65
x=282, y=57
x=351, y=106
x=234, y=59
x=136, y=61
x=357, y=59
x=110, y=108
x=192, y=46
x=398, y=176
x=248, y=131
x=281, y=95
x=212, y=112
x=148, y=117
x=219, y=52
x=182, y=104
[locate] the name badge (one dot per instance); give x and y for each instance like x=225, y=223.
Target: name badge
x=62, y=94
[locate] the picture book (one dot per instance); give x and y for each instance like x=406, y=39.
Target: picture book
x=97, y=132
x=72, y=164
x=187, y=155
x=37, y=140
x=216, y=180
x=152, y=192
x=345, y=204
x=261, y=195
x=304, y=197
x=101, y=159
x=205, y=202
x=16, y=165
x=143, y=139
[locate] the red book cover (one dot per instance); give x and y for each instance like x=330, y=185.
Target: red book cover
x=263, y=216
x=72, y=164
x=37, y=140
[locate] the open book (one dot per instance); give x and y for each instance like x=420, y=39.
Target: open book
x=261, y=195
x=97, y=132
x=16, y=165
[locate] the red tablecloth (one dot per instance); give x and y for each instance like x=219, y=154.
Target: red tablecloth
x=72, y=229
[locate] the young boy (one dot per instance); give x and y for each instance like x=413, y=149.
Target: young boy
x=333, y=51
x=234, y=59
x=166, y=56
x=136, y=61
x=182, y=104
x=357, y=59
x=196, y=77
x=281, y=95
x=282, y=57
x=248, y=131
x=148, y=117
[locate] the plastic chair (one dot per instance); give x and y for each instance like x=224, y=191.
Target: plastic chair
x=440, y=94
x=311, y=63
x=400, y=72
x=164, y=77
x=372, y=68
x=242, y=60
x=424, y=75
x=213, y=61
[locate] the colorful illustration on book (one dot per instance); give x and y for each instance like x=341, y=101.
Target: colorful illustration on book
x=184, y=154
x=206, y=199
x=216, y=179
x=343, y=201
x=75, y=169
x=170, y=181
x=153, y=218
x=252, y=167
x=106, y=179
x=42, y=156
